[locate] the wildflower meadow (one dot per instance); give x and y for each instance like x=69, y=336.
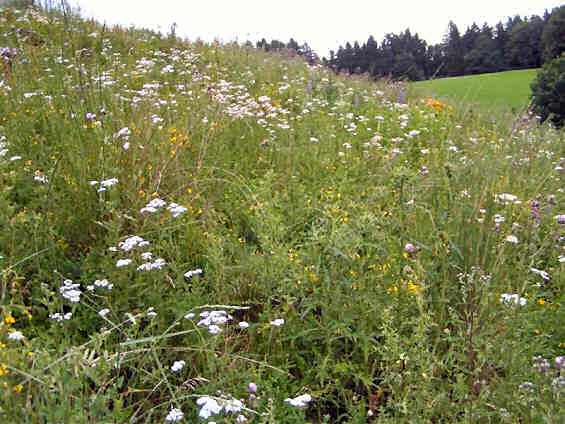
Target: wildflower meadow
x=205, y=232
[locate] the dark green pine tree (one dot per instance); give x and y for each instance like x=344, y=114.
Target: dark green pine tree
x=501, y=40
x=485, y=57
x=371, y=52
x=469, y=39
x=454, y=61
x=357, y=58
x=553, y=37
x=292, y=44
x=524, y=47
x=435, y=61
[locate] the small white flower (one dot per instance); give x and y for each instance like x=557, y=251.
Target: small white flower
x=60, y=317
x=123, y=262
x=190, y=315
x=148, y=266
x=506, y=198
x=560, y=218
x=513, y=298
x=153, y=205
x=241, y=419
x=104, y=312
x=277, y=322
x=512, y=239
x=174, y=415
x=208, y=406
x=103, y=284
x=190, y=274
x=131, y=242
x=124, y=132
x=541, y=273
x=159, y=263
x=299, y=401
x=145, y=267
x=176, y=209
x=243, y=324
x=69, y=291
x=148, y=209
x=233, y=405
x=151, y=312
x=16, y=336
x=105, y=184
x=214, y=329
x=146, y=256
x=177, y=366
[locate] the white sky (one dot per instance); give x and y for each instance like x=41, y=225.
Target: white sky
x=323, y=24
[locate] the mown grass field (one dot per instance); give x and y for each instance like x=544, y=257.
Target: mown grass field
x=200, y=232
x=501, y=91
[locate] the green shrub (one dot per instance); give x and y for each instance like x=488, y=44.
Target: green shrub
x=548, y=92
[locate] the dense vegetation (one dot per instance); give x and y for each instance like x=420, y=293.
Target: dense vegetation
x=204, y=232
x=548, y=91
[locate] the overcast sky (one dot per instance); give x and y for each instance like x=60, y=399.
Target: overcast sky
x=323, y=24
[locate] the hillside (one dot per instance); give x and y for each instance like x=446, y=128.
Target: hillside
x=502, y=91
x=211, y=233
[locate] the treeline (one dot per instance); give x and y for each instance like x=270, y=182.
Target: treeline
x=292, y=47
x=519, y=43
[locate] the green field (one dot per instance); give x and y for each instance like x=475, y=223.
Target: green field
x=503, y=90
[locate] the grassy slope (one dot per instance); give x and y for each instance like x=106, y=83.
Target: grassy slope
x=375, y=230
x=502, y=90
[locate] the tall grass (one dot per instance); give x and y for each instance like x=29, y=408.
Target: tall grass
x=192, y=229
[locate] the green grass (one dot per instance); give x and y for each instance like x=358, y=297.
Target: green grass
x=506, y=91
x=357, y=248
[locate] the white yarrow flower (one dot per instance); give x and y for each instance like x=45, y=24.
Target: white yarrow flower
x=541, y=273
x=177, y=366
x=123, y=262
x=214, y=330
x=69, y=291
x=513, y=298
x=176, y=209
x=299, y=401
x=174, y=415
x=208, y=406
x=16, y=336
x=233, y=405
x=192, y=273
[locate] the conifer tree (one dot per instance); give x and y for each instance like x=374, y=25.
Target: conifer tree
x=455, y=64
x=553, y=37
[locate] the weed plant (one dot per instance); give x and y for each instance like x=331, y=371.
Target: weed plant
x=203, y=232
